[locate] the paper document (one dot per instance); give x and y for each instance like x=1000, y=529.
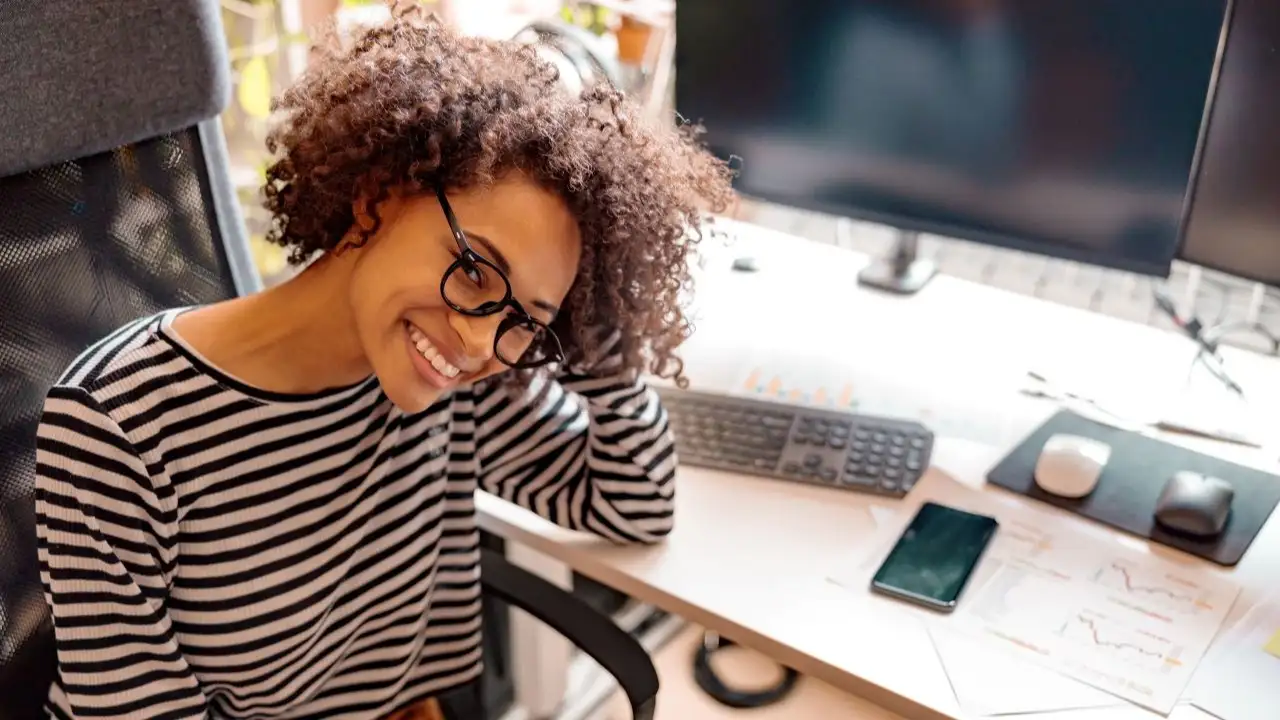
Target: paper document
x=1135, y=627
x=1273, y=645
x=1242, y=668
x=1073, y=598
x=989, y=681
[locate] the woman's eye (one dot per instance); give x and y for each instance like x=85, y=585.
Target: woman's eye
x=472, y=271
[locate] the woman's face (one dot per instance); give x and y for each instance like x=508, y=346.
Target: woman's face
x=395, y=283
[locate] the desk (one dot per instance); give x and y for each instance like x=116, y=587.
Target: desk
x=749, y=557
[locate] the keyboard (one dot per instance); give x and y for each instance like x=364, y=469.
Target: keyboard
x=882, y=456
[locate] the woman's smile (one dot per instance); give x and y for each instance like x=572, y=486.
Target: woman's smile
x=428, y=360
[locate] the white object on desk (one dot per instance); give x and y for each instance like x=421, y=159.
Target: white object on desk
x=1070, y=465
x=1238, y=678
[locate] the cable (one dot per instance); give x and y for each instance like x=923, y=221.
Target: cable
x=712, y=685
x=1204, y=337
x=1215, y=333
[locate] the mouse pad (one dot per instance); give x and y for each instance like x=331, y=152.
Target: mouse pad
x=1133, y=479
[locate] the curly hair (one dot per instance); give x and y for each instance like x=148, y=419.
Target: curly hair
x=410, y=105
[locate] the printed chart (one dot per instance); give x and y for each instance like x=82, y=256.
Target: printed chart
x=939, y=404
x=1134, y=628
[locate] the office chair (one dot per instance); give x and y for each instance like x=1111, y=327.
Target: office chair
x=115, y=203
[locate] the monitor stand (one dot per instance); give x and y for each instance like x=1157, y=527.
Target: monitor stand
x=903, y=272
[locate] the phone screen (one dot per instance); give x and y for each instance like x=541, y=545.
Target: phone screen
x=932, y=561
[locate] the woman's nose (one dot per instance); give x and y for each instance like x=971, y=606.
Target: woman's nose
x=477, y=334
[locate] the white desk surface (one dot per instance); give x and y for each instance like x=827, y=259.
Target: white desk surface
x=750, y=557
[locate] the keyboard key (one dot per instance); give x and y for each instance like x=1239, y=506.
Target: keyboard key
x=858, y=480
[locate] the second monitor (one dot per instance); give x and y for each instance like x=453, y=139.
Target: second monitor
x=1063, y=128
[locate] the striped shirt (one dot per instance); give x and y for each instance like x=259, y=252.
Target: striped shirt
x=212, y=550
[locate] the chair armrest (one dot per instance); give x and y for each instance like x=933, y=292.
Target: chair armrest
x=620, y=654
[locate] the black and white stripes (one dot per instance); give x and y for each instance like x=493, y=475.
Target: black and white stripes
x=213, y=550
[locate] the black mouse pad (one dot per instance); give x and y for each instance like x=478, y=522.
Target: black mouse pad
x=1131, y=483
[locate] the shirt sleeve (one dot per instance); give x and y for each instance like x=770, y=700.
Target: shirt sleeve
x=586, y=453
x=106, y=551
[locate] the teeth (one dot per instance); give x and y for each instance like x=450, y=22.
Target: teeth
x=432, y=355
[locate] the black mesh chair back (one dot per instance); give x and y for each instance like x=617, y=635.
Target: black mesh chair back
x=114, y=204
x=85, y=246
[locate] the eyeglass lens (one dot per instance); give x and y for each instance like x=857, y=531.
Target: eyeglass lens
x=477, y=287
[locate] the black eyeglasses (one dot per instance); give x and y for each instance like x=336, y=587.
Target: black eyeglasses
x=476, y=287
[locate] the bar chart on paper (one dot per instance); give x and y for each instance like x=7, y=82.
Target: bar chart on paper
x=948, y=411
x=772, y=385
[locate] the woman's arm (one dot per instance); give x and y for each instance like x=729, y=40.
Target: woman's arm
x=105, y=550
x=585, y=452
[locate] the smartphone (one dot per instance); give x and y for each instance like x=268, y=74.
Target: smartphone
x=934, y=558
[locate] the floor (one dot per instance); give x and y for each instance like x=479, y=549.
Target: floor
x=681, y=699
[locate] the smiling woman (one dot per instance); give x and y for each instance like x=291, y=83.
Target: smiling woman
x=265, y=507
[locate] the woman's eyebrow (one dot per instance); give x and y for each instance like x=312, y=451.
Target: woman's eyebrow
x=495, y=255
x=491, y=251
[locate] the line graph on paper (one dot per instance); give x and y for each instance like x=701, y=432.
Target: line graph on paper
x=1133, y=627
x=1094, y=633
x=1156, y=593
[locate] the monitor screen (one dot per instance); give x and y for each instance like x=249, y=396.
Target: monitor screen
x=1063, y=128
x=1234, y=223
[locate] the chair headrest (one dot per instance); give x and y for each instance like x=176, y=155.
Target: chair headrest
x=82, y=78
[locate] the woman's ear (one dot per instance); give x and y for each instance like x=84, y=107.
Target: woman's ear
x=367, y=218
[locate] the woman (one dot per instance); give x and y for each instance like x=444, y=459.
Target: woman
x=264, y=507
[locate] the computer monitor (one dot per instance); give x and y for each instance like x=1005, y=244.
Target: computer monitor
x=1234, y=221
x=1063, y=127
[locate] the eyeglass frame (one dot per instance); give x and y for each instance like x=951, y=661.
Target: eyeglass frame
x=467, y=256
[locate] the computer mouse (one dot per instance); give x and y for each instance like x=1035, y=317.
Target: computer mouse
x=1194, y=504
x=1070, y=465
x=746, y=263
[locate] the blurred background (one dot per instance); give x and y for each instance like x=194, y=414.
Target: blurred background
x=268, y=42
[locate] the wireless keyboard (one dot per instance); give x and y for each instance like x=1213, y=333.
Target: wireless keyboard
x=863, y=453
